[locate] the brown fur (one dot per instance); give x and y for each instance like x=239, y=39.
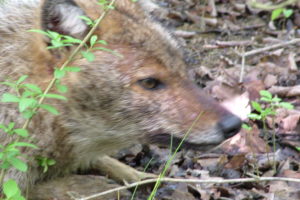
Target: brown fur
x=107, y=108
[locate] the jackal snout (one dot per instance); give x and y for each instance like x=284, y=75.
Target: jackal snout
x=230, y=125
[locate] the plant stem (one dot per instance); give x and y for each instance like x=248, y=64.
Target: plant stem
x=274, y=142
x=197, y=181
x=67, y=62
x=2, y=177
x=158, y=182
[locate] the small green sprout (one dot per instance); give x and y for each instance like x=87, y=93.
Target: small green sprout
x=284, y=11
x=45, y=163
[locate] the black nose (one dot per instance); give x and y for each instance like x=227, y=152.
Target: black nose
x=230, y=125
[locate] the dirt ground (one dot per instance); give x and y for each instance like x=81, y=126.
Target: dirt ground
x=235, y=50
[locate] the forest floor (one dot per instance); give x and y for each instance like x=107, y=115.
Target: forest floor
x=236, y=49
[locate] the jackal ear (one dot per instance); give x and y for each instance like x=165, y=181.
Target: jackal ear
x=63, y=16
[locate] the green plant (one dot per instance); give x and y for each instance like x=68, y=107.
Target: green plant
x=169, y=161
x=267, y=108
x=106, y=5
x=276, y=13
x=45, y=163
x=30, y=98
x=271, y=104
x=12, y=190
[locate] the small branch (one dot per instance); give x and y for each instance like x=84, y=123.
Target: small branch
x=263, y=6
x=234, y=43
x=275, y=46
x=212, y=5
x=175, y=180
x=225, y=44
x=242, y=66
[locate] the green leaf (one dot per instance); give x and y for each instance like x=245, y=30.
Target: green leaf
x=5, y=165
x=12, y=85
x=69, y=39
x=266, y=99
x=33, y=88
x=286, y=105
x=268, y=112
x=49, y=108
x=18, y=197
x=276, y=99
x=7, y=98
x=89, y=56
x=256, y=106
x=10, y=188
x=87, y=20
x=246, y=127
x=254, y=116
x=10, y=126
x=18, y=164
x=39, y=31
x=28, y=94
x=26, y=103
x=102, y=42
x=51, y=162
x=27, y=114
x=93, y=40
x=54, y=35
x=21, y=132
x=265, y=93
x=298, y=148
x=58, y=74
x=21, y=79
x=276, y=13
x=55, y=96
x=23, y=144
x=62, y=88
x=72, y=69
x=287, y=13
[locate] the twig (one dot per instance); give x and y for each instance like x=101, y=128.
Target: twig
x=234, y=43
x=177, y=180
x=225, y=44
x=212, y=5
x=263, y=6
x=242, y=66
x=282, y=44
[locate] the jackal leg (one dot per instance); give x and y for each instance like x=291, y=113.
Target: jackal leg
x=119, y=171
x=75, y=187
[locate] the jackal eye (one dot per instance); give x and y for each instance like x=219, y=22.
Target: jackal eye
x=151, y=83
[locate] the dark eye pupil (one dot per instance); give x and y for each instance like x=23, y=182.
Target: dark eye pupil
x=150, y=83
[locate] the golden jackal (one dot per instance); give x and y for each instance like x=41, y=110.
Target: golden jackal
x=114, y=102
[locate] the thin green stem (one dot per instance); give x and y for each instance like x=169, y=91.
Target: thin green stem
x=2, y=179
x=158, y=182
x=274, y=141
x=67, y=62
x=136, y=187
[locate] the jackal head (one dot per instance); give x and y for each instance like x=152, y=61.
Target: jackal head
x=145, y=94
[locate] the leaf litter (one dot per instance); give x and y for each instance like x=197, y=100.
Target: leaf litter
x=216, y=34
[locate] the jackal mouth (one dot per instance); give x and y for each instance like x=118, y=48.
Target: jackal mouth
x=168, y=140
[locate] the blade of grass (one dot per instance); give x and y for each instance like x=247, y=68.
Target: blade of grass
x=167, y=165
